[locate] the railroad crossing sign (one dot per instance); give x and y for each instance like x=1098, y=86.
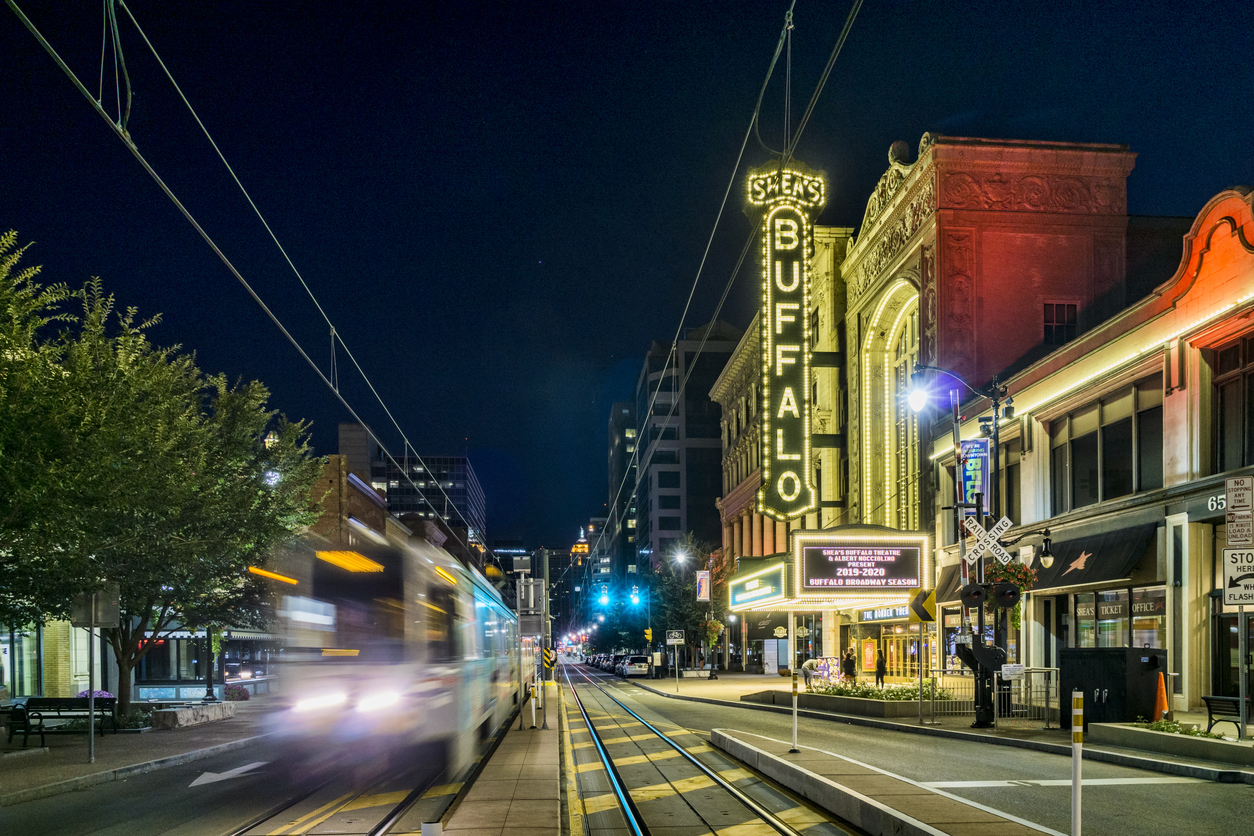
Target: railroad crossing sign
x=1239, y=496
x=986, y=541
x=674, y=637
x=550, y=658
x=922, y=606
x=1238, y=577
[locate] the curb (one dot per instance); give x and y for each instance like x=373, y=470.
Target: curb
x=1184, y=770
x=85, y=781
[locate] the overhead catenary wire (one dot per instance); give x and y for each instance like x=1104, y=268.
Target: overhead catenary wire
x=784, y=40
x=119, y=129
x=335, y=336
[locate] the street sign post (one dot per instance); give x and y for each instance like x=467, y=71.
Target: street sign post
x=675, y=638
x=1239, y=591
x=1239, y=501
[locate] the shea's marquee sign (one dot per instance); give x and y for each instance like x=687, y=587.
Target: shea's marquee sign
x=788, y=197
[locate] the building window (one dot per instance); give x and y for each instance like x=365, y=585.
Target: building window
x=668, y=524
x=668, y=502
x=905, y=461
x=1234, y=405
x=668, y=478
x=630, y=432
x=1108, y=449
x=1060, y=323
x=814, y=324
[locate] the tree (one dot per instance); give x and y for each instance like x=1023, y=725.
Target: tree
x=145, y=473
x=675, y=585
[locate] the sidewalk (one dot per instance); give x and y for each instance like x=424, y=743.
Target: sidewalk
x=35, y=772
x=730, y=687
x=518, y=792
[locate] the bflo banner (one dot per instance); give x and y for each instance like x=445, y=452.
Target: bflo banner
x=787, y=196
x=975, y=473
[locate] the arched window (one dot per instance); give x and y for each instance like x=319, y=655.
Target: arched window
x=905, y=502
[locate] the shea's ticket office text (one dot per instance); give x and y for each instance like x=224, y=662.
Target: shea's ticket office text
x=846, y=587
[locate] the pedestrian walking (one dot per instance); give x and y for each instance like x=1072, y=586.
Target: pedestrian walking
x=808, y=668
x=881, y=668
x=849, y=666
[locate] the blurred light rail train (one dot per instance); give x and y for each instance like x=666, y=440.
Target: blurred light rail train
x=396, y=645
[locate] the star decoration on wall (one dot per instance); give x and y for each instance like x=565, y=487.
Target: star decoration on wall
x=1079, y=562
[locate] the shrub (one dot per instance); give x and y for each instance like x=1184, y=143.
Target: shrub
x=1175, y=728
x=236, y=693
x=137, y=719
x=896, y=693
x=100, y=695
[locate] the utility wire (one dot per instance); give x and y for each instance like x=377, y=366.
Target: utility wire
x=122, y=134
x=335, y=336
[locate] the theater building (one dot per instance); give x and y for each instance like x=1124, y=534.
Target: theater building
x=1121, y=445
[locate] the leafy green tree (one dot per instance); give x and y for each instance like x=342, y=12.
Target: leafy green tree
x=675, y=589
x=143, y=472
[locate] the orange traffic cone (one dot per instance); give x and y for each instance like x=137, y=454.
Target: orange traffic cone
x=1160, y=701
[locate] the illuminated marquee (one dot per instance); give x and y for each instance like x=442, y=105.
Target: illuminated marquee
x=787, y=199
x=759, y=586
x=871, y=565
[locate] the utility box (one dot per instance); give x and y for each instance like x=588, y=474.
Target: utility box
x=1119, y=683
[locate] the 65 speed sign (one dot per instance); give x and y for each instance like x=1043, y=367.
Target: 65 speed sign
x=1238, y=577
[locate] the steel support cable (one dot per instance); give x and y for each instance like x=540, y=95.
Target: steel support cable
x=827, y=71
x=630, y=812
x=334, y=334
x=769, y=818
x=757, y=108
x=125, y=137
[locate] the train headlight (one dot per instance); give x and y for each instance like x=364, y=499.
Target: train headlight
x=324, y=701
x=376, y=701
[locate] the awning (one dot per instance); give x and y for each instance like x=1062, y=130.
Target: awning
x=1095, y=558
x=948, y=583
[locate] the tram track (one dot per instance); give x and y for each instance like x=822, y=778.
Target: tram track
x=753, y=813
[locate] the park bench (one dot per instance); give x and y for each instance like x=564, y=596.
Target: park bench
x=1225, y=710
x=45, y=714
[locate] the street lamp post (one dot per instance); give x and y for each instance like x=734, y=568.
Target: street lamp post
x=1002, y=407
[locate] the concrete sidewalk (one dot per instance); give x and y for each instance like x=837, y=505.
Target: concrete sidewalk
x=61, y=766
x=730, y=687
x=518, y=791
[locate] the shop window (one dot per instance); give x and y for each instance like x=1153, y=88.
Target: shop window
x=1234, y=405
x=1149, y=617
x=1086, y=620
x=1108, y=449
x=1112, y=618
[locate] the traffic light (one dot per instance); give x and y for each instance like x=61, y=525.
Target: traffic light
x=635, y=595
x=605, y=595
x=648, y=634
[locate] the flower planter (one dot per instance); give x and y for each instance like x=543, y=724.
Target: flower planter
x=1167, y=743
x=838, y=705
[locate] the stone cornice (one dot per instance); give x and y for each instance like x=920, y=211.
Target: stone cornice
x=747, y=351
x=743, y=496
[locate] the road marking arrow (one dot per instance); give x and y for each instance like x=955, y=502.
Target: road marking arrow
x=214, y=777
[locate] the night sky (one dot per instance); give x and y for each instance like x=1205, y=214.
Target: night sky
x=499, y=205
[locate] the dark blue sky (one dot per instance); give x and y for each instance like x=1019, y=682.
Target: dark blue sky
x=499, y=205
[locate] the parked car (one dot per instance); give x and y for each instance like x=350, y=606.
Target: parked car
x=634, y=666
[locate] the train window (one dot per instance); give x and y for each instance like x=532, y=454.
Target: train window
x=440, y=624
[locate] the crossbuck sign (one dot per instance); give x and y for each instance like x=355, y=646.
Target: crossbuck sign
x=986, y=541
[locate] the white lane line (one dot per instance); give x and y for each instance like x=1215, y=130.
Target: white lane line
x=1061, y=782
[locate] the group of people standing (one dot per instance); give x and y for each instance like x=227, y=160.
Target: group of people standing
x=848, y=668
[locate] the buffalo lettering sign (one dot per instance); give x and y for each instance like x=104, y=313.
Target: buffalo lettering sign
x=788, y=197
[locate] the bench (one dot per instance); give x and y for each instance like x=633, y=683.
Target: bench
x=44, y=714
x=1225, y=710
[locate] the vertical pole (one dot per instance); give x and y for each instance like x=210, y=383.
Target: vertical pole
x=91, y=683
x=1243, y=669
x=676, y=669
x=794, y=750
x=548, y=643
x=919, y=653
x=1077, y=756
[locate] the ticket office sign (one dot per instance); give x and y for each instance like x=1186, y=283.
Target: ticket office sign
x=867, y=567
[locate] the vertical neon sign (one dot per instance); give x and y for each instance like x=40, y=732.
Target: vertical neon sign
x=787, y=197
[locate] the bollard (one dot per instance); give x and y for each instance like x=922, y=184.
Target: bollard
x=1077, y=756
x=794, y=750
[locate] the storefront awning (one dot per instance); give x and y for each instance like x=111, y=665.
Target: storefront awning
x=1095, y=558
x=948, y=583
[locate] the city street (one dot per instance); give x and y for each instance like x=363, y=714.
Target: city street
x=1031, y=785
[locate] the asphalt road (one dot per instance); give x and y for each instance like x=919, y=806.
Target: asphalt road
x=1117, y=800
x=170, y=802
